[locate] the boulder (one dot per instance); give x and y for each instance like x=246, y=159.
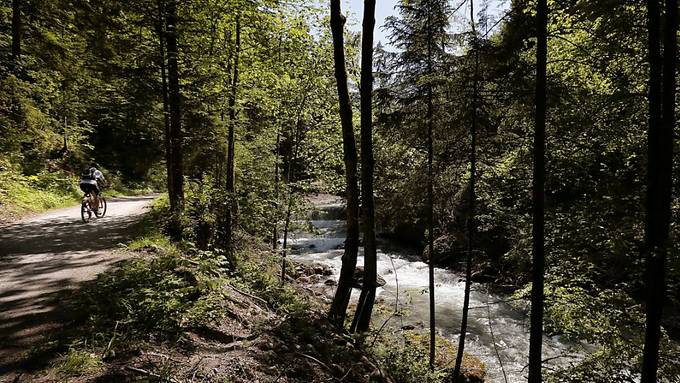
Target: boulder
x=359, y=278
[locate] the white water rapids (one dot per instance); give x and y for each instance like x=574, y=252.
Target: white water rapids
x=496, y=322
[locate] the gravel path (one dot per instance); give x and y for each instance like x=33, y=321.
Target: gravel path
x=44, y=256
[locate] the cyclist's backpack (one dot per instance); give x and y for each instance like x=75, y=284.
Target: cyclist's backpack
x=88, y=173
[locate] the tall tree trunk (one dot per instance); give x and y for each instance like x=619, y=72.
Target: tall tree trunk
x=538, y=261
x=349, y=259
x=362, y=317
x=275, y=231
x=164, y=83
x=471, y=218
x=430, y=194
x=659, y=173
x=16, y=30
x=290, y=178
x=230, y=143
x=177, y=192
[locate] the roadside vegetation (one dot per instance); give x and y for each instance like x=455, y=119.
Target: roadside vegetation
x=22, y=194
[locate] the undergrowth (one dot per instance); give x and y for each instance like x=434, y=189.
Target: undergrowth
x=169, y=288
x=78, y=363
x=405, y=356
x=20, y=194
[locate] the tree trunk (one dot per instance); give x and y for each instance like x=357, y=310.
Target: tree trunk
x=275, y=232
x=538, y=261
x=164, y=83
x=349, y=259
x=471, y=218
x=290, y=177
x=230, y=143
x=362, y=317
x=659, y=173
x=16, y=30
x=177, y=195
x=430, y=195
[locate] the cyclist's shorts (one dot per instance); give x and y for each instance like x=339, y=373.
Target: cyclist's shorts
x=89, y=188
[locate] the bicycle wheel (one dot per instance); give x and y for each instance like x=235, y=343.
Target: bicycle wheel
x=102, y=207
x=85, y=212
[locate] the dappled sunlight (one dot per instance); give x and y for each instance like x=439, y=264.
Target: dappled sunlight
x=44, y=258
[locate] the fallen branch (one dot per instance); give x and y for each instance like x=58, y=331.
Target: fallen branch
x=346, y=374
x=250, y=296
x=149, y=373
x=493, y=338
x=316, y=360
x=396, y=306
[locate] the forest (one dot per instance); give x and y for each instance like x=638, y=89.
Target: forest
x=489, y=195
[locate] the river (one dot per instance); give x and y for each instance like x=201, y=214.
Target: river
x=491, y=319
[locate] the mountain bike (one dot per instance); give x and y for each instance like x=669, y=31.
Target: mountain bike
x=86, y=210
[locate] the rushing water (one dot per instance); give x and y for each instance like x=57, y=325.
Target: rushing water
x=491, y=320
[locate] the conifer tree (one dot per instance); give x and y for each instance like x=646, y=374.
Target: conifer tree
x=473, y=178
x=420, y=33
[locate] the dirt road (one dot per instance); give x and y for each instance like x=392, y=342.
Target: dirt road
x=44, y=256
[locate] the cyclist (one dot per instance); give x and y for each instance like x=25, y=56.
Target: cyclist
x=91, y=180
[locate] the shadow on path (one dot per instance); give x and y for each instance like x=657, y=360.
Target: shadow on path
x=43, y=258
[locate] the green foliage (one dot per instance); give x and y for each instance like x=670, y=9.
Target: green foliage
x=163, y=293
x=20, y=194
x=77, y=363
x=260, y=273
x=405, y=359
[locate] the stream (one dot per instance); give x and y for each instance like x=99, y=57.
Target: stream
x=491, y=320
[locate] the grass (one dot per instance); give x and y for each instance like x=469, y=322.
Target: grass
x=78, y=363
x=21, y=195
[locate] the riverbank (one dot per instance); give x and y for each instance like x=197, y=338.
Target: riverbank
x=498, y=323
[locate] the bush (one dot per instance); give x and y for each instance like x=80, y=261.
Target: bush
x=163, y=293
x=406, y=359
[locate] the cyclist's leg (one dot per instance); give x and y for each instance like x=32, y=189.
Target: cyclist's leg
x=84, y=187
x=95, y=197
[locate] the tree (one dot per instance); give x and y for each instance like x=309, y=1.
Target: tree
x=230, y=142
x=420, y=32
x=430, y=187
x=160, y=30
x=16, y=30
x=362, y=317
x=349, y=259
x=471, y=214
x=174, y=100
x=290, y=178
x=659, y=172
x=538, y=194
